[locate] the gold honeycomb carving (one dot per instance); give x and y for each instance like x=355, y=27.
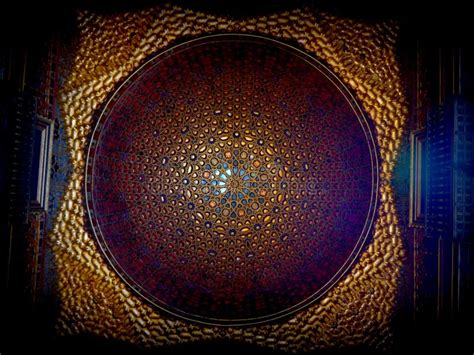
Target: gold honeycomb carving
x=94, y=300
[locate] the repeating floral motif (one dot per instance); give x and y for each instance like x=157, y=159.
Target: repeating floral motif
x=232, y=180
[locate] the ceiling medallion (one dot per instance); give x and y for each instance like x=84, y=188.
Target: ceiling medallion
x=232, y=180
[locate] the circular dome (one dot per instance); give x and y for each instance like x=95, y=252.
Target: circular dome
x=231, y=180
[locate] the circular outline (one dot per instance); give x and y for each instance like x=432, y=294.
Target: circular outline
x=142, y=69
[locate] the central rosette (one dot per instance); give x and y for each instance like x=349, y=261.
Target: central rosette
x=234, y=185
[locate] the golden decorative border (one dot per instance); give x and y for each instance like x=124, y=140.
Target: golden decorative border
x=93, y=298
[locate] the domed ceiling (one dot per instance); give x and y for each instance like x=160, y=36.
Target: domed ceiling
x=231, y=180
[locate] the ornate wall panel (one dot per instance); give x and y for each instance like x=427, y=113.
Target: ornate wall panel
x=95, y=300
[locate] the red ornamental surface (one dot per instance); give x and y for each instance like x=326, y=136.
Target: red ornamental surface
x=232, y=180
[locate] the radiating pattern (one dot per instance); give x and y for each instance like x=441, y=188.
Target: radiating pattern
x=232, y=180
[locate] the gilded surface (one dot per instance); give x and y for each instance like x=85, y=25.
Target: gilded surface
x=94, y=300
